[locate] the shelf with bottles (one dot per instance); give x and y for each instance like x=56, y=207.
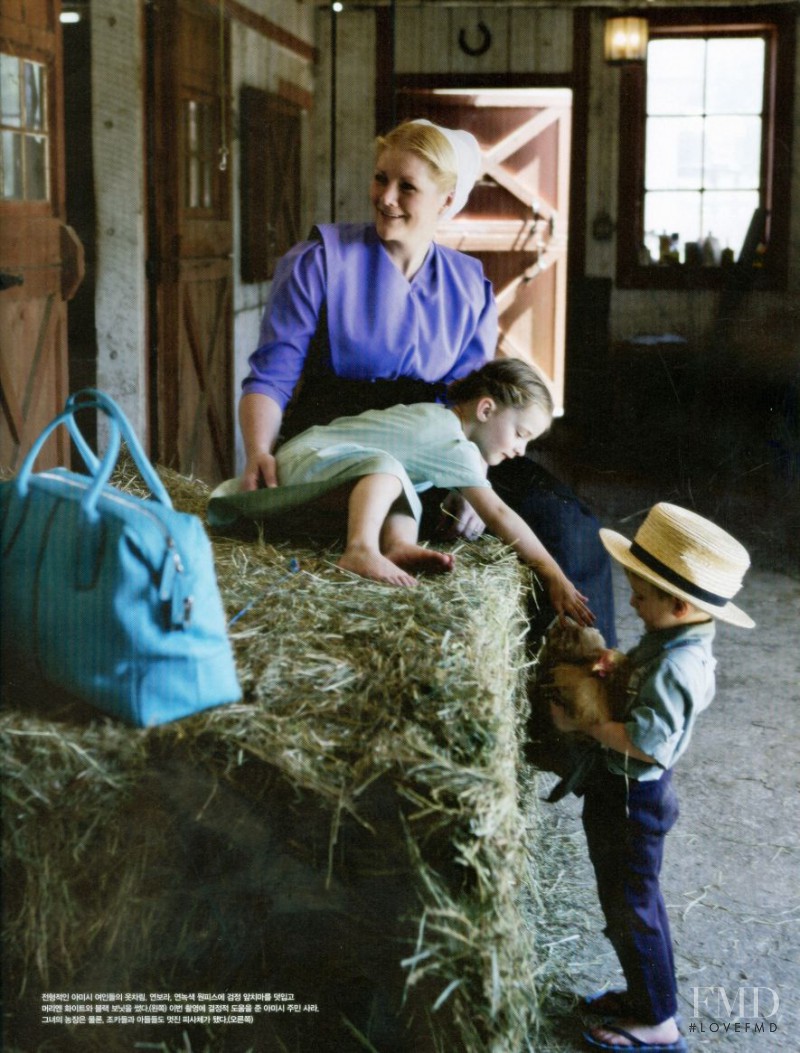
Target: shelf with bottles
x=663, y=262
x=665, y=250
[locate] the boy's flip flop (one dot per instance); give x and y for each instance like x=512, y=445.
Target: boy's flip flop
x=679, y=1046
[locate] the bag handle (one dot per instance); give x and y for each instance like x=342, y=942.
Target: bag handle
x=88, y=456
x=100, y=400
x=90, y=398
x=100, y=475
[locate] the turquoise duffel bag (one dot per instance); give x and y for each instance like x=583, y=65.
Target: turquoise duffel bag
x=108, y=596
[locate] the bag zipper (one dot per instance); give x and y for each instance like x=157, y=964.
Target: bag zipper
x=177, y=607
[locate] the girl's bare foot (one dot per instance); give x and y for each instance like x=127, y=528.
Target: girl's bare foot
x=664, y=1034
x=369, y=563
x=420, y=559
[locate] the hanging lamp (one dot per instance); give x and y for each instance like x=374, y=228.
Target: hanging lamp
x=625, y=40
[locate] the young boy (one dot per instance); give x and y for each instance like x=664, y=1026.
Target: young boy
x=683, y=571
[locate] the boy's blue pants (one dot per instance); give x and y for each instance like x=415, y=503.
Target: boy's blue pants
x=625, y=830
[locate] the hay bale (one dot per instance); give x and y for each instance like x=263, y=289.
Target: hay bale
x=354, y=832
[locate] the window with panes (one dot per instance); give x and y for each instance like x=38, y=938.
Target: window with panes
x=705, y=141
x=24, y=142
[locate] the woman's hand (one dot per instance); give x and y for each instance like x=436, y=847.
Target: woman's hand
x=260, y=419
x=261, y=470
x=566, y=599
x=458, y=519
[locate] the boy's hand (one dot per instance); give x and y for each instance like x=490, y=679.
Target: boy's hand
x=561, y=721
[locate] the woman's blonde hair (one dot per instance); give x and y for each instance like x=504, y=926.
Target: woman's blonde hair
x=509, y=381
x=429, y=144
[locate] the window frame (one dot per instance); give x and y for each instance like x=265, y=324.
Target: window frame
x=204, y=155
x=26, y=131
x=778, y=26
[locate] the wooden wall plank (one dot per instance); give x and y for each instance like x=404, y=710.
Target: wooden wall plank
x=540, y=41
x=473, y=28
x=320, y=122
x=355, y=125
x=271, y=30
x=602, y=150
x=523, y=40
x=422, y=40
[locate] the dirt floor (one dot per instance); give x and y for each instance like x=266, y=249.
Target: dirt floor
x=731, y=877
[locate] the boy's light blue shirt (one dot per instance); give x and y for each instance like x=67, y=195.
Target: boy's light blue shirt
x=672, y=680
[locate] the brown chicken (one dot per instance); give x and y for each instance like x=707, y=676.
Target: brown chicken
x=577, y=671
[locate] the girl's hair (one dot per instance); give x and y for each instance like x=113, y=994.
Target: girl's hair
x=429, y=144
x=509, y=381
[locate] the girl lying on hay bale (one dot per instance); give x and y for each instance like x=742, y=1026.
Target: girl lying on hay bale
x=374, y=465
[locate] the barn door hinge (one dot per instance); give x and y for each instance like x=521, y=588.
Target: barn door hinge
x=8, y=281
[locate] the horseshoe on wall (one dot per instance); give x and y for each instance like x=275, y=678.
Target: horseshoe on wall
x=482, y=48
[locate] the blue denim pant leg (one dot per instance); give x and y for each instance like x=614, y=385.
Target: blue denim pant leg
x=626, y=850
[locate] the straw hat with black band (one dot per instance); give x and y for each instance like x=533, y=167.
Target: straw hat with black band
x=687, y=556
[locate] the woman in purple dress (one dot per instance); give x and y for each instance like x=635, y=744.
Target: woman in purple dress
x=365, y=316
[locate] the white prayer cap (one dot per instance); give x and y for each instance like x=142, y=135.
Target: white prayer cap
x=468, y=163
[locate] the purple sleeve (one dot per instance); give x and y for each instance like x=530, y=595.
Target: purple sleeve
x=288, y=324
x=481, y=346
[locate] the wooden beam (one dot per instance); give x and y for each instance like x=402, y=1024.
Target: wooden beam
x=528, y=195
x=520, y=136
x=488, y=235
x=267, y=28
x=295, y=94
x=613, y=6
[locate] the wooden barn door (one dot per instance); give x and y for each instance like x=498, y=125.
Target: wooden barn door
x=190, y=264
x=517, y=218
x=41, y=259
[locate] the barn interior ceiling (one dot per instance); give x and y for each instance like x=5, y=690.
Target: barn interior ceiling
x=617, y=5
